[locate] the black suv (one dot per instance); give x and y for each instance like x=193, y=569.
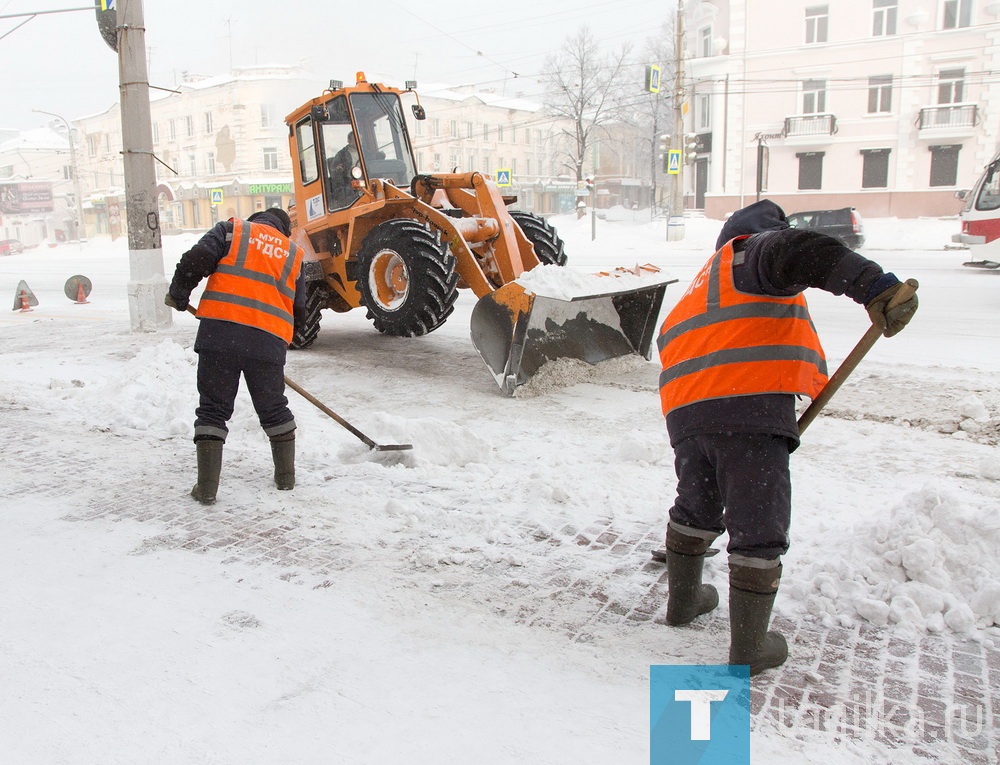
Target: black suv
x=843, y=224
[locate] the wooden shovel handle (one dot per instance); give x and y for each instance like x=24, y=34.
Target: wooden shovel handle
x=849, y=364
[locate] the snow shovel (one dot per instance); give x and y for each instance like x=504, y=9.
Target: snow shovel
x=849, y=364
x=836, y=379
x=329, y=412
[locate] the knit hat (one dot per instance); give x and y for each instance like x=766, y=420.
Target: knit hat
x=764, y=215
x=274, y=217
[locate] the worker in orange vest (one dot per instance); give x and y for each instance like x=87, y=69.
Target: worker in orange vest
x=246, y=317
x=735, y=351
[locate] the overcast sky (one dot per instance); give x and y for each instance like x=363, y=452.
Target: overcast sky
x=59, y=62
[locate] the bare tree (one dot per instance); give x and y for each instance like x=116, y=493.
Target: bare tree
x=583, y=86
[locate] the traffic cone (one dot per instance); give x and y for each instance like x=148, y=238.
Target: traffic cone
x=81, y=296
x=24, y=303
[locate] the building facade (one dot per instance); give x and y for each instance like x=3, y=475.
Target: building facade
x=221, y=147
x=889, y=106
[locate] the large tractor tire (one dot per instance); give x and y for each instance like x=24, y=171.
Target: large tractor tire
x=406, y=276
x=548, y=245
x=307, y=325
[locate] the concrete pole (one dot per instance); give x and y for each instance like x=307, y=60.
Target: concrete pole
x=147, y=285
x=81, y=228
x=675, y=226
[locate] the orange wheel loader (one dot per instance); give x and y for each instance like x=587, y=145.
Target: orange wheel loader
x=379, y=234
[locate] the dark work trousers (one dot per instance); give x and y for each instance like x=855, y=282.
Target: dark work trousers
x=736, y=482
x=218, y=383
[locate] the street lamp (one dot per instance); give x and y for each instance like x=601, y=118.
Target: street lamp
x=81, y=229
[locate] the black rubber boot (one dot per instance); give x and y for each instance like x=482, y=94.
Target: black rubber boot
x=749, y=615
x=209, y=469
x=687, y=597
x=283, y=453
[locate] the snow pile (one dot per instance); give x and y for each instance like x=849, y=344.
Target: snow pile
x=154, y=392
x=563, y=284
x=932, y=565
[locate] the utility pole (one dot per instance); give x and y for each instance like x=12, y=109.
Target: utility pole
x=675, y=225
x=81, y=228
x=147, y=285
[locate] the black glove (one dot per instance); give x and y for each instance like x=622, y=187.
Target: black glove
x=178, y=304
x=891, y=318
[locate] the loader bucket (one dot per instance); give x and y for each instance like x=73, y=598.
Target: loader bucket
x=516, y=331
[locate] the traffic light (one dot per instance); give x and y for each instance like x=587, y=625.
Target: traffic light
x=690, y=147
x=590, y=185
x=664, y=150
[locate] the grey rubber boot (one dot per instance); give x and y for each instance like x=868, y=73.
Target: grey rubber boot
x=209, y=469
x=283, y=453
x=751, y=598
x=687, y=597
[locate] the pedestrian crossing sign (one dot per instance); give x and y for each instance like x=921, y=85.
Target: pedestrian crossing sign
x=674, y=162
x=504, y=177
x=107, y=5
x=216, y=196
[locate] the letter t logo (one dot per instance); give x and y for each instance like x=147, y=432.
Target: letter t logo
x=701, y=711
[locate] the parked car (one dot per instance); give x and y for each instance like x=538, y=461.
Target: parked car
x=10, y=247
x=844, y=224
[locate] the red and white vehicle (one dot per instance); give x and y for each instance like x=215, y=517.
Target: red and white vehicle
x=981, y=218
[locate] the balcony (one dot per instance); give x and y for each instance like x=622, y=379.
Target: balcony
x=948, y=119
x=810, y=125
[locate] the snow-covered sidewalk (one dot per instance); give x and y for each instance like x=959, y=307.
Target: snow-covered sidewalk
x=489, y=596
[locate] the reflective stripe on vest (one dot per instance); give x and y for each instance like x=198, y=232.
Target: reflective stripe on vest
x=718, y=342
x=254, y=284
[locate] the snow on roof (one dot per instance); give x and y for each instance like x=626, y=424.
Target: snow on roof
x=38, y=139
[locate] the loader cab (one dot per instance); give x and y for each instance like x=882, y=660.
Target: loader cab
x=362, y=136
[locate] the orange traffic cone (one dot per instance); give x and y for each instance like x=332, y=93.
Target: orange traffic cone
x=81, y=296
x=24, y=303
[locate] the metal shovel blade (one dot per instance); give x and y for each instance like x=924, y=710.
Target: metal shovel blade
x=516, y=332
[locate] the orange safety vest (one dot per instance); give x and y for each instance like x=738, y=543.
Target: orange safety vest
x=254, y=284
x=718, y=342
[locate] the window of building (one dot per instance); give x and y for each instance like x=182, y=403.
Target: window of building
x=454, y=163
x=944, y=165
x=208, y=123
x=705, y=41
x=189, y=126
x=436, y=127
x=513, y=166
x=468, y=130
x=527, y=166
x=156, y=132
x=884, y=17
x=814, y=96
x=513, y=134
x=266, y=115
x=172, y=130
x=538, y=137
x=486, y=132
x=454, y=128
x=527, y=135
x=817, y=22
x=957, y=13
x=437, y=161
x=420, y=128
x=880, y=94
x=951, y=86
x=211, y=163
x=499, y=133
x=704, y=112
x=270, y=158
x=810, y=170
x=192, y=165
x=875, y=168
x=472, y=164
